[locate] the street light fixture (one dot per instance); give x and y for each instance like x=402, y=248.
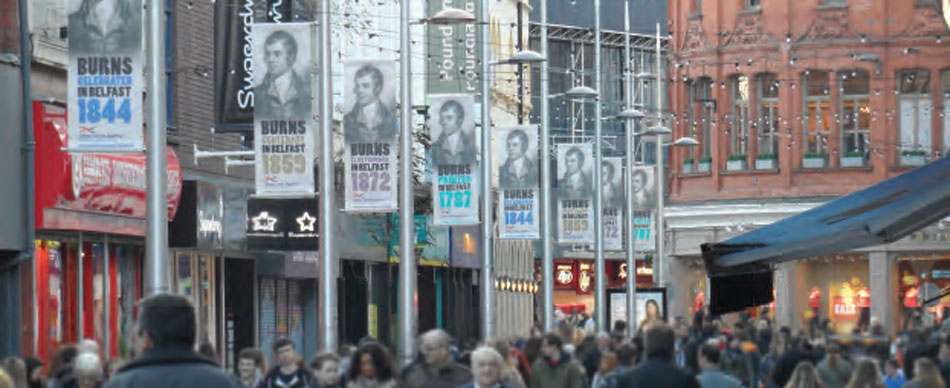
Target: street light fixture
x=657, y=130
x=631, y=114
x=684, y=142
x=451, y=15
x=581, y=92
x=524, y=57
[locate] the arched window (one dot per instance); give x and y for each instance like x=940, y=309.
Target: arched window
x=914, y=109
x=817, y=112
x=740, y=115
x=855, y=108
x=768, y=121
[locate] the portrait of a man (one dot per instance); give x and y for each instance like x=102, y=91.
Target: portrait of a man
x=370, y=120
x=642, y=195
x=455, y=145
x=519, y=171
x=574, y=183
x=612, y=192
x=283, y=94
x=106, y=26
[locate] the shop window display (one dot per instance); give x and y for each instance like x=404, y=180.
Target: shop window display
x=835, y=295
x=918, y=278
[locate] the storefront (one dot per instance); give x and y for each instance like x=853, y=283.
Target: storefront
x=920, y=278
x=574, y=282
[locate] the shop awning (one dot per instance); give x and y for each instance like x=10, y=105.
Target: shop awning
x=740, y=268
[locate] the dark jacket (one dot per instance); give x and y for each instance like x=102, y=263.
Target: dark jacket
x=466, y=150
x=567, y=373
x=508, y=180
x=447, y=375
x=304, y=379
x=297, y=107
x=656, y=372
x=357, y=131
x=172, y=367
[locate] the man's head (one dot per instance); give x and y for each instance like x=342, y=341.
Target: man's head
x=659, y=341
x=368, y=84
x=551, y=346
x=280, y=52
x=603, y=341
x=626, y=355
x=516, y=144
x=166, y=320
x=435, y=346
x=285, y=352
x=250, y=360
x=708, y=356
x=639, y=180
x=88, y=370
x=326, y=368
x=574, y=159
x=451, y=117
x=486, y=366
x=607, y=172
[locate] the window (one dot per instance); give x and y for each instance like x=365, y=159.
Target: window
x=817, y=113
x=698, y=6
x=740, y=114
x=833, y=2
x=707, y=110
x=753, y=3
x=945, y=88
x=855, y=108
x=768, y=123
x=914, y=109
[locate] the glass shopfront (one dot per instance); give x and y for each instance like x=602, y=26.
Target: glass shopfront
x=920, y=278
x=195, y=278
x=834, y=292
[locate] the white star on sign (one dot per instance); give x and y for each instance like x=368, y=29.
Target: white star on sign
x=306, y=222
x=264, y=222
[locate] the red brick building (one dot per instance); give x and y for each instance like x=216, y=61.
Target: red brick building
x=794, y=102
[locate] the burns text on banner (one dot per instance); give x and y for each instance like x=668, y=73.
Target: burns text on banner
x=370, y=127
x=283, y=126
x=105, y=75
x=455, y=192
x=516, y=157
x=575, y=194
x=611, y=174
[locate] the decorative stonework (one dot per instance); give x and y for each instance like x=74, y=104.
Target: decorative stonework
x=748, y=31
x=695, y=36
x=927, y=22
x=829, y=25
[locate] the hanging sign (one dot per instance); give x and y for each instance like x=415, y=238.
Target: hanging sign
x=282, y=224
x=105, y=76
x=611, y=175
x=516, y=158
x=643, y=183
x=565, y=275
x=575, y=194
x=370, y=127
x=284, y=129
x=456, y=183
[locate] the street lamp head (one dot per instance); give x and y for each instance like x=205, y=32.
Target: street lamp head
x=581, y=92
x=631, y=114
x=685, y=142
x=645, y=75
x=524, y=57
x=451, y=15
x=657, y=130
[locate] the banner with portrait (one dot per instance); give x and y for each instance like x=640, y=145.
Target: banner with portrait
x=611, y=174
x=105, y=79
x=575, y=194
x=516, y=159
x=643, y=183
x=452, y=157
x=284, y=128
x=370, y=126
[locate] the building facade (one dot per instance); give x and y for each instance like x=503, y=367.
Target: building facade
x=794, y=103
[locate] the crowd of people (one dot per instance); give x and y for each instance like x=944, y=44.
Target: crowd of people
x=749, y=353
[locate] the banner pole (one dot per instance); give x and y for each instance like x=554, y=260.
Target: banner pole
x=600, y=286
x=486, y=285
x=156, y=239
x=628, y=182
x=407, y=260
x=545, y=219
x=328, y=293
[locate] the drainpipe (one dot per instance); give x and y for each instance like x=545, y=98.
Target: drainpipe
x=29, y=146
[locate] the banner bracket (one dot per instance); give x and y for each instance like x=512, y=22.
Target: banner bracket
x=103, y=150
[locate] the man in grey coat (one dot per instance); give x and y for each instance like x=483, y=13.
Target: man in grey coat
x=438, y=370
x=711, y=376
x=166, y=335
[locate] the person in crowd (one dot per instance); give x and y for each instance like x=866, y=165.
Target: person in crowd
x=893, y=375
x=775, y=352
x=113, y=366
x=926, y=375
x=16, y=370
x=288, y=372
x=34, y=372
x=804, y=376
x=866, y=376
x=591, y=360
x=652, y=314
x=943, y=354
x=487, y=365
x=166, y=333
x=789, y=361
x=438, y=369
x=532, y=350
x=371, y=367
x=325, y=367
x=555, y=369
x=5, y=380
x=659, y=369
x=510, y=375
x=834, y=370
x=61, y=365
x=249, y=368
x=627, y=358
x=711, y=376
x=620, y=329
x=608, y=364
x=88, y=370
x=522, y=363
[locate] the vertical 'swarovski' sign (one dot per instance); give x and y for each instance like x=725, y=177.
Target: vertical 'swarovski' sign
x=105, y=75
x=284, y=130
x=516, y=159
x=611, y=175
x=233, y=80
x=644, y=204
x=575, y=194
x=370, y=127
x=455, y=191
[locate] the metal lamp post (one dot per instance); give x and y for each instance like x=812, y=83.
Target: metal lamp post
x=545, y=219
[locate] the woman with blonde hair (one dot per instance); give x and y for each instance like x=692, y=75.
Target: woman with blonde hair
x=866, y=375
x=5, y=381
x=509, y=368
x=926, y=375
x=608, y=364
x=804, y=376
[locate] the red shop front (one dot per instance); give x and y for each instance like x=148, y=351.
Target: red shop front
x=90, y=221
x=574, y=282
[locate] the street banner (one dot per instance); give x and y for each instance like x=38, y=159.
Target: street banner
x=516, y=157
x=453, y=59
x=575, y=194
x=233, y=60
x=370, y=126
x=456, y=189
x=611, y=174
x=105, y=75
x=644, y=206
x=284, y=129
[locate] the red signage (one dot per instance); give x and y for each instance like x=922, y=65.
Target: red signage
x=74, y=192
x=565, y=275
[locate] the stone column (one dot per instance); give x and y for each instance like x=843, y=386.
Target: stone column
x=786, y=295
x=884, y=297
